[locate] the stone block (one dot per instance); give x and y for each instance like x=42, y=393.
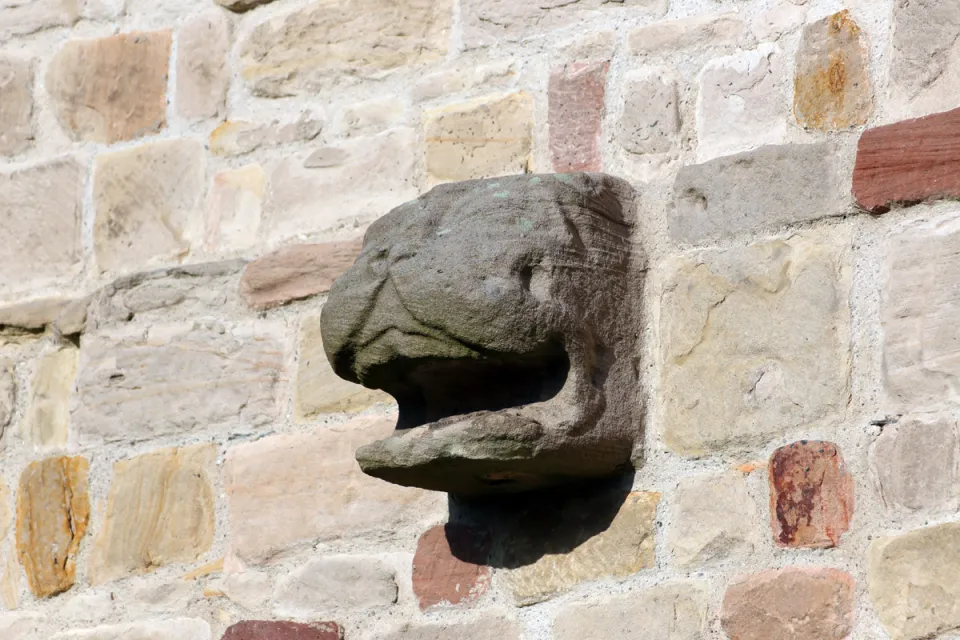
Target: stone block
x=831, y=84
x=52, y=514
x=22, y=626
x=318, y=389
x=235, y=209
x=741, y=104
x=767, y=188
x=6, y=513
x=725, y=30
x=30, y=16
x=329, y=42
x=371, y=116
x=33, y=315
x=10, y=580
x=714, y=519
x=912, y=581
x=441, y=84
x=778, y=20
x=790, y=604
x=169, y=629
x=915, y=463
x=202, y=73
x=40, y=234
x=494, y=625
x=147, y=204
x=48, y=411
x=754, y=341
x=160, y=511
x=273, y=482
x=237, y=137
x=111, y=89
x=249, y=589
x=8, y=393
x=450, y=566
x=352, y=583
x=576, y=98
x=279, y=630
x=175, y=380
x=482, y=138
x=923, y=56
x=650, y=116
x=16, y=103
x=677, y=611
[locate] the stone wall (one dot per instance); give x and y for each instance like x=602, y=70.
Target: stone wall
x=181, y=182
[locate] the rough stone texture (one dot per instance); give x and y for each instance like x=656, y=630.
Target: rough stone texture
x=284, y=490
x=920, y=303
x=33, y=314
x=677, y=611
x=370, y=116
x=16, y=103
x=113, y=88
x=169, y=629
x=754, y=341
x=486, y=137
x=127, y=391
x=912, y=580
x=714, y=519
x=450, y=565
x=250, y=589
x=48, y=412
x=241, y=6
x=923, y=53
x=274, y=630
x=29, y=16
x=202, y=72
x=763, y=189
x=529, y=384
x=777, y=21
x=678, y=35
x=650, y=120
x=577, y=95
x=8, y=395
x=21, y=626
x=52, y=514
x=493, y=626
x=915, y=463
x=40, y=209
x=148, y=204
x=811, y=495
x=832, y=88
x=352, y=583
x=160, y=512
x=908, y=162
x=318, y=389
x=296, y=272
x=790, y=604
x=331, y=41
x=237, y=137
x=741, y=103
x=6, y=513
x=464, y=77
x=235, y=209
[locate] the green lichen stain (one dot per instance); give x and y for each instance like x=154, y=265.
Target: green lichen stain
x=565, y=178
x=501, y=194
x=536, y=180
x=525, y=224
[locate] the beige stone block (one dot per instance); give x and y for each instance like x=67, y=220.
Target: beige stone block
x=495, y=625
x=160, y=511
x=778, y=20
x=482, y=138
x=167, y=629
x=235, y=209
x=326, y=42
x=21, y=17
x=8, y=393
x=464, y=77
x=52, y=514
x=16, y=104
x=292, y=489
x=33, y=314
x=10, y=579
x=237, y=137
x=345, y=583
x=250, y=589
x=202, y=73
x=650, y=119
x=677, y=35
x=754, y=341
x=111, y=89
x=371, y=116
x=48, y=412
x=147, y=204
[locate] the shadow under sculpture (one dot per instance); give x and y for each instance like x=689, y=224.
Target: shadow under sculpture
x=503, y=317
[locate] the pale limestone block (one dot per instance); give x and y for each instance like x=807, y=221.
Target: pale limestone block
x=686, y=33
x=16, y=104
x=21, y=17
x=237, y=137
x=494, y=625
x=168, y=629
x=45, y=425
x=202, y=73
x=650, y=117
x=440, y=84
x=344, y=583
x=235, y=209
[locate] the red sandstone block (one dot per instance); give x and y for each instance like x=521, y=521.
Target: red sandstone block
x=575, y=114
x=449, y=565
x=263, y=630
x=811, y=495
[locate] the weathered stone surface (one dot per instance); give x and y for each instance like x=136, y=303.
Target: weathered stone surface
x=624, y=548
x=754, y=341
x=127, y=390
x=29, y=16
x=677, y=611
x=52, y=514
x=202, y=73
x=677, y=35
x=714, y=519
x=6, y=513
x=486, y=137
x=450, y=565
x=296, y=272
x=912, y=581
x=464, y=77
x=924, y=52
x=811, y=495
x=381, y=170
x=32, y=314
x=235, y=209
x=16, y=103
x=10, y=580
x=272, y=483
x=790, y=604
x=327, y=42
x=763, y=189
x=780, y=19
x=8, y=393
x=741, y=104
x=40, y=208
x=318, y=389
x=915, y=463
x=48, y=411
x=921, y=360
x=371, y=116
x=908, y=162
x=241, y=6
x=274, y=630
x=495, y=625
x=147, y=203
x=169, y=629
x=352, y=583
x=237, y=137
x=22, y=626
x=113, y=88
x=160, y=512
x=650, y=120
x=575, y=115
x=832, y=88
